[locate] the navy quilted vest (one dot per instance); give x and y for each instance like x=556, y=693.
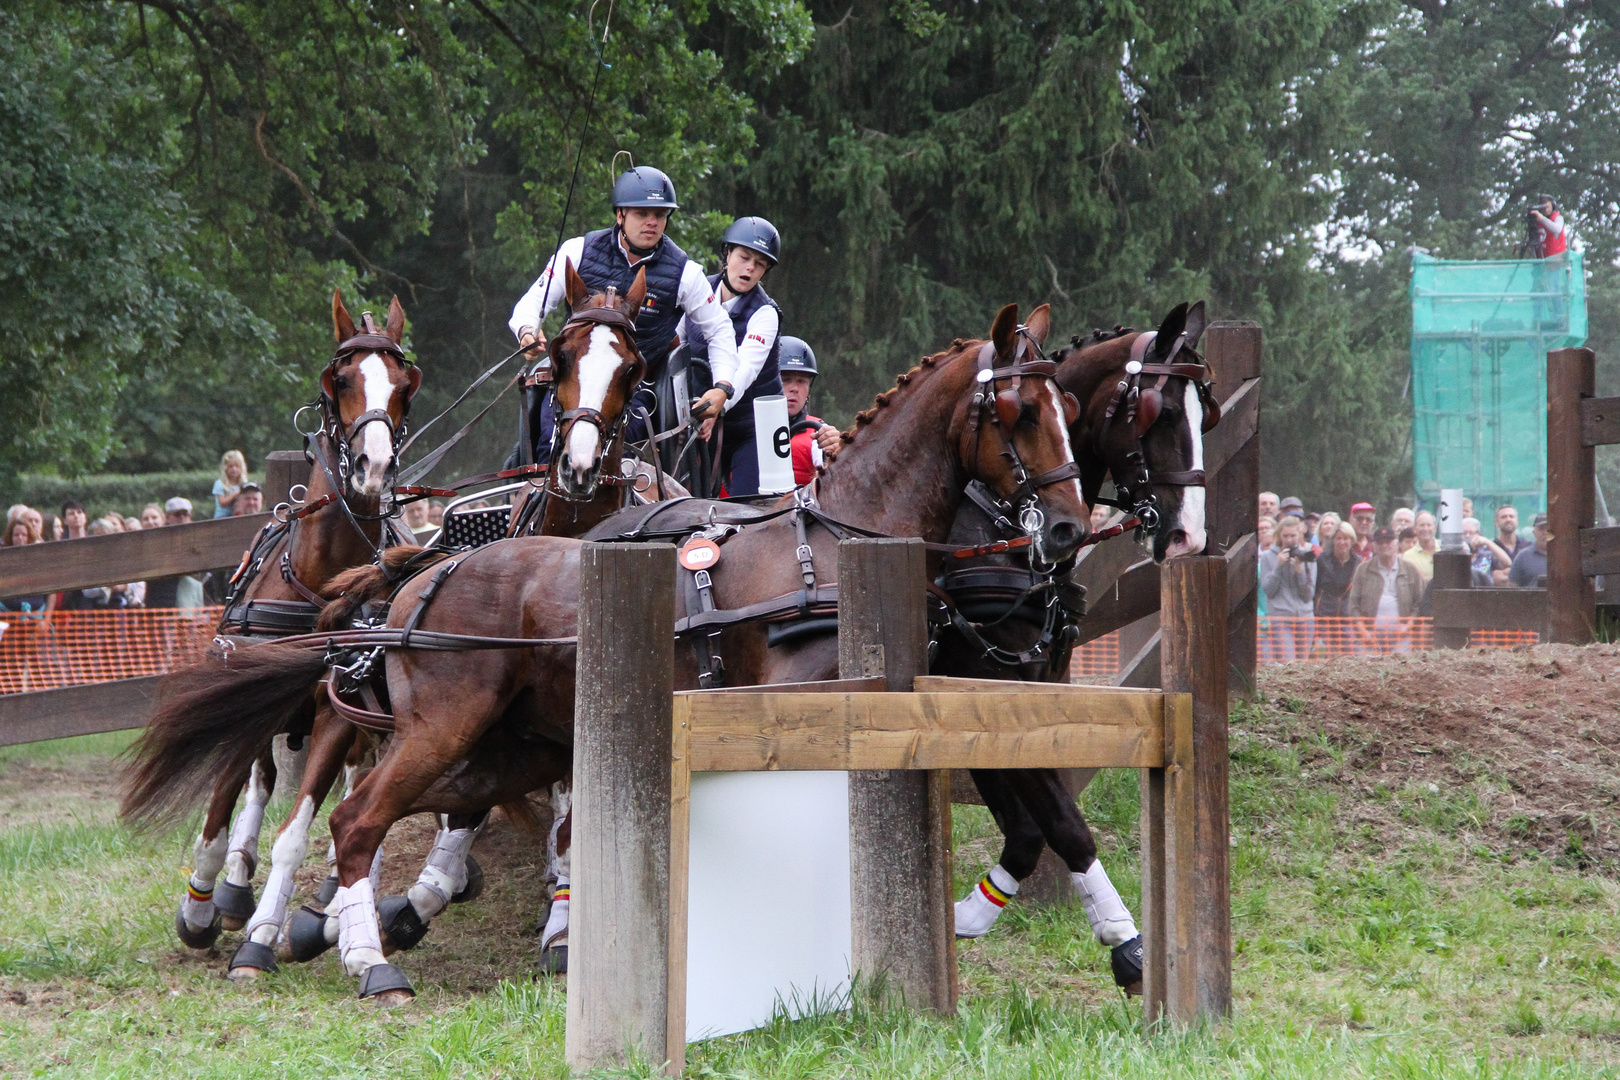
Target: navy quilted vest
x=768, y=381
x=603, y=264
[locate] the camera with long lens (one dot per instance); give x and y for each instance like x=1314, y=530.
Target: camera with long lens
x=1304, y=553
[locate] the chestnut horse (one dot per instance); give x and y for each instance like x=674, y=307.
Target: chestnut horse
x=481, y=727
x=597, y=368
x=365, y=395
x=1152, y=448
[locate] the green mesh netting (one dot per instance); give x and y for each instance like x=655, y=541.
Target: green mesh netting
x=1480, y=336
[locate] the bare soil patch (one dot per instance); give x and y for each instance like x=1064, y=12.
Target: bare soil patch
x=1532, y=734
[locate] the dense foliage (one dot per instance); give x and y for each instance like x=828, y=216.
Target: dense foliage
x=183, y=183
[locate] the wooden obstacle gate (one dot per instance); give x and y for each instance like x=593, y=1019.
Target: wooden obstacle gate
x=897, y=731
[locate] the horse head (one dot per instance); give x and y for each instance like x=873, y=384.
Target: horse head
x=597, y=367
x=1146, y=405
x=1014, y=436
x=366, y=393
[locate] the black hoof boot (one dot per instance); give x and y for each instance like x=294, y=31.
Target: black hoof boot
x=328, y=889
x=250, y=954
x=475, y=883
x=1126, y=960
x=553, y=961
x=306, y=935
x=197, y=939
x=384, y=979
x=401, y=925
x=234, y=902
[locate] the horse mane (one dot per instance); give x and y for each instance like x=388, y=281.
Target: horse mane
x=901, y=381
x=1097, y=336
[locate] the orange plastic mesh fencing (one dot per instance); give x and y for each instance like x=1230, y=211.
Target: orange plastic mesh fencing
x=69, y=648
x=1284, y=640
x=1096, y=659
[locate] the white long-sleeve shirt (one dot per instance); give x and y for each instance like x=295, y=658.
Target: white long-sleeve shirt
x=695, y=297
x=759, y=337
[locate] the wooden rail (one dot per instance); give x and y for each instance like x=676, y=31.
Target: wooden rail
x=121, y=557
x=90, y=709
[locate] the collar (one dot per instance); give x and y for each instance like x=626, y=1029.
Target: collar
x=631, y=257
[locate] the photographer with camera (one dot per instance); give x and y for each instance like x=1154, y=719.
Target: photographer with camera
x=1547, y=238
x=1288, y=576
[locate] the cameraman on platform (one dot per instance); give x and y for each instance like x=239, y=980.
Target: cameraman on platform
x=1288, y=575
x=1547, y=238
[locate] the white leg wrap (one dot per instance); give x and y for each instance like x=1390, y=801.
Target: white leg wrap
x=331, y=854
x=1110, y=920
x=557, y=921
x=285, y=858
x=359, y=940
x=208, y=859
x=559, y=865
x=375, y=877
x=976, y=913
x=244, y=851
x=445, y=873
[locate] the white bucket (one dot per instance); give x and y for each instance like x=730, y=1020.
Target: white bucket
x=773, y=441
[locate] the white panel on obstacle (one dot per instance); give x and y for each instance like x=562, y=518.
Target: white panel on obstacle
x=773, y=443
x=769, y=915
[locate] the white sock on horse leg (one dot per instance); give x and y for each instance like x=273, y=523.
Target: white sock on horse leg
x=562, y=800
x=207, y=860
x=1110, y=920
x=976, y=913
x=375, y=877
x=557, y=921
x=286, y=856
x=444, y=874
x=331, y=855
x=359, y=939
x=244, y=853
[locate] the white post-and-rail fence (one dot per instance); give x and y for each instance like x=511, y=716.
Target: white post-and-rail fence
x=898, y=732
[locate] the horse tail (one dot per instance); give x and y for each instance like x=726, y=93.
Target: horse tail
x=212, y=720
x=358, y=586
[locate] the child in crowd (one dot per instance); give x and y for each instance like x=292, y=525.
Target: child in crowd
x=232, y=475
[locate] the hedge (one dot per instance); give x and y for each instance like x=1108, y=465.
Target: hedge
x=124, y=492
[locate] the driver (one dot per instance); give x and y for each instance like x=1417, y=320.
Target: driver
x=643, y=198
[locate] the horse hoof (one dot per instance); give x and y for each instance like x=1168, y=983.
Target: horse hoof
x=250, y=961
x=1126, y=960
x=401, y=926
x=385, y=984
x=197, y=939
x=306, y=935
x=553, y=961
x=328, y=889
x=475, y=883
x=235, y=903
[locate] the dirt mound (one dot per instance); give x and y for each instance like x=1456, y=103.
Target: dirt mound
x=1519, y=745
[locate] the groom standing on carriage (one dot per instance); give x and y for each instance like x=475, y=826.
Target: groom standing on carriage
x=643, y=199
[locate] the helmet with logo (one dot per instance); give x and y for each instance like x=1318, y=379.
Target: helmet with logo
x=644, y=186
x=796, y=355
x=755, y=234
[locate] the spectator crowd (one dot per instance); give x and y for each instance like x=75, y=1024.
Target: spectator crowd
x=234, y=494
x=1320, y=566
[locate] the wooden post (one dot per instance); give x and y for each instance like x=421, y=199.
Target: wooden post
x=1168, y=821
x=1451, y=571
x=1571, y=603
x=899, y=821
x=1234, y=351
x=1193, y=605
x=282, y=469
x=619, y=992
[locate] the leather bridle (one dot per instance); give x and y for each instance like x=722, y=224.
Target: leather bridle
x=1135, y=405
x=1003, y=408
x=606, y=315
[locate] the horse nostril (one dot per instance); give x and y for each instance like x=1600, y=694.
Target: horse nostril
x=1065, y=534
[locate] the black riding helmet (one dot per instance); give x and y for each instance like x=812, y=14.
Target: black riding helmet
x=755, y=234
x=796, y=355
x=644, y=186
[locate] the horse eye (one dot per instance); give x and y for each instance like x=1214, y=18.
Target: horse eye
x=1028, y=415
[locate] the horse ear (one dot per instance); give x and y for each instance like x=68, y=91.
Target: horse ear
x=1170, y=330
x=1040, y=323
x=395, y=330
x=1197, y=320
x=573, y=285
x=342, y=325
x=637, y=293
x=1005, y=329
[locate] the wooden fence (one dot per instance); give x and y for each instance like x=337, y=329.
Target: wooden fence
x=898, y=732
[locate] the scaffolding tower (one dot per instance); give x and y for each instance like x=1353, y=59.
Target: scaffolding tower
x=1481, y=331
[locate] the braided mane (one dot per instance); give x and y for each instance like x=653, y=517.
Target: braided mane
x=1097, y=337
x=885, y=399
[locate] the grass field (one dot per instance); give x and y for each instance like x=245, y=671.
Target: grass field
x=1379, y=932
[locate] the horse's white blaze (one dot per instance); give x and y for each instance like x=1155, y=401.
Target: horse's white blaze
x=375, y=442
x=1190, y=520
x=286, y=856
x=1058, y=418
x=596, y=370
